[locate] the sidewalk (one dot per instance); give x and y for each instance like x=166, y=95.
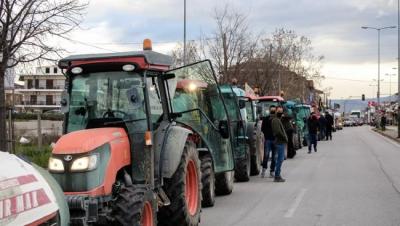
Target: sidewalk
x=390, y=132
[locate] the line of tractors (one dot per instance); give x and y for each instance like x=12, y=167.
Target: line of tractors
x=146, y=145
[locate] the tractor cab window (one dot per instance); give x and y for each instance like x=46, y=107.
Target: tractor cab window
x=265, y=105
x=103, y=97
x=250, y=111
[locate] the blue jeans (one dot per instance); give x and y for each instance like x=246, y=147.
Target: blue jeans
x=269, y=146
x=312, y=140
x=280, y=149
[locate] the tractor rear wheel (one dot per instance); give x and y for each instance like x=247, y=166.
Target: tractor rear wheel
x=224, y=183
x=184, y=191
x=208, y=181
x=134, y=206
x=242, y=169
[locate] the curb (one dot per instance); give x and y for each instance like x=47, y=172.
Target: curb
x=388, y=136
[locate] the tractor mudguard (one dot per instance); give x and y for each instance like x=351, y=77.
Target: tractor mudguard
x=173, y=148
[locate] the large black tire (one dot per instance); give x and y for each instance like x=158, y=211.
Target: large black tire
x=208, y=181
x=178, y=213
x=255, y=163
x=130, y=205
x=224, y=183
x=243, y=167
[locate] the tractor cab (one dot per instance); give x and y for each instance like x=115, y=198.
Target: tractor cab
x=265, y=102
x=235, y=102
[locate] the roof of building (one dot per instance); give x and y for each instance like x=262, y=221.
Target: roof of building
x=150, y=56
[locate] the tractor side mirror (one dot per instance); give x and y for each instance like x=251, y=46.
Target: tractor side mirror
x=242, y=104
x=223, y=129
x=64, y=101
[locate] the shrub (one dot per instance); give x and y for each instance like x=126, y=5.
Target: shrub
x=32, y=153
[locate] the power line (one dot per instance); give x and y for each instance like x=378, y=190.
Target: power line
x=351, y=80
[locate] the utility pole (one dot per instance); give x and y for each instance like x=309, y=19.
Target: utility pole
x=184, y=32
x=398, y=68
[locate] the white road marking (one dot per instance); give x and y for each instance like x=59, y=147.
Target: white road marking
x=296, y=203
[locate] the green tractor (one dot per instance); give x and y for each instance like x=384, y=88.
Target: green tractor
x=302, y=112
x=236, y=106
x=129, y=155
x=254, y=134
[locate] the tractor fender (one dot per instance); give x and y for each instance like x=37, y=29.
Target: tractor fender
x=175, y=141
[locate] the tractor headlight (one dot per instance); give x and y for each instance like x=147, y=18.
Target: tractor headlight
x=86, y=163
x=56, y=165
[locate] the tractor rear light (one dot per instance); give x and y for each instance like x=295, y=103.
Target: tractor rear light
x=147, y=138
x=56, y=165
x=86, y=163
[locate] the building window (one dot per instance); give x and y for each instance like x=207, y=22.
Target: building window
x=55, y=70
x=30, y=85
x=47, y=70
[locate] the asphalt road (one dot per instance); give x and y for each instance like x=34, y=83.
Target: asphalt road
x=352, y=180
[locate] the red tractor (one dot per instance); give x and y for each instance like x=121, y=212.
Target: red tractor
x=124, y=159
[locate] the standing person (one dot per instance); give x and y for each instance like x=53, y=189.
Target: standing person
x=383, y=121
x=329, y=125
x=280, y=141
x=287, y=124
x=313, y=126
x=269, y=142
x=322, y=127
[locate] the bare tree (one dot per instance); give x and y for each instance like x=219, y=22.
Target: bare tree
x=283, y=58
x=230, y=44
x=26, y=28
x=192, y=53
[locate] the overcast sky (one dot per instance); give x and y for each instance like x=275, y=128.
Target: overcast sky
x=334, y=26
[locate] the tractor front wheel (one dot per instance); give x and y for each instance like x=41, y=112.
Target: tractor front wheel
x=224, y=183
x=184, y=191
x=134, y=206
x=242, y=168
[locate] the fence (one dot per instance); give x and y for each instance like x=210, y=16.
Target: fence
x=35, y=131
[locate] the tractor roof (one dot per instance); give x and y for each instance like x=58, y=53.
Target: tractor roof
x=271, y=98
x=151, y=57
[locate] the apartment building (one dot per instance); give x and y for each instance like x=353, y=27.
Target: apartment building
x=42, y=89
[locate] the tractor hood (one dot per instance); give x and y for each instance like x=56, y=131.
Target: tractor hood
x=83, y=141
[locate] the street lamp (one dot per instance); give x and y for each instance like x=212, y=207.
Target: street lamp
x=379, y=55
x=390, y=85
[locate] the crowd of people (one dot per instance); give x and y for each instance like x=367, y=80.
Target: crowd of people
x=278, y=135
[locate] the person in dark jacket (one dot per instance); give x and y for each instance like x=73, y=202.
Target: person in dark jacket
x=288, y=125
x=313, y=126
x=322, y=127
x=329, y=125
x=280, y=141
x=383, y=121
x=269, y=143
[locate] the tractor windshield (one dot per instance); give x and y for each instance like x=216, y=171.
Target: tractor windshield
x=196, y=99
x=250, y=110
x=106, y=97
x=265, y=105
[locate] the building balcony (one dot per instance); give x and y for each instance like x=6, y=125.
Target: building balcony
x=39, y=103
x=55, y=89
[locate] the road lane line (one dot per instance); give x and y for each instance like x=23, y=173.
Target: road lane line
x=296, y=203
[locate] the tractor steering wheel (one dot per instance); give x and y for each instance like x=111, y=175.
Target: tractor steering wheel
x=110, y=113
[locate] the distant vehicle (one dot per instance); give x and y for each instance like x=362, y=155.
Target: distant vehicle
x=349, y=122
x=355, y=114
